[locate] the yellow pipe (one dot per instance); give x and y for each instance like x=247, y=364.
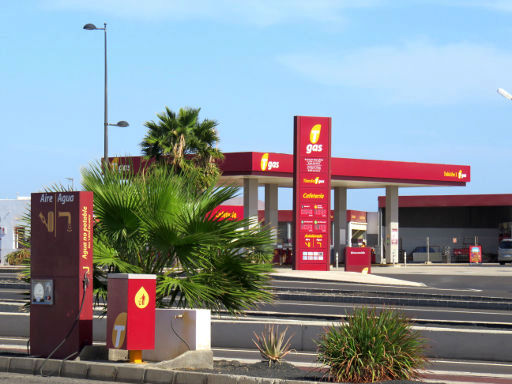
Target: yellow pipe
x=135, y=356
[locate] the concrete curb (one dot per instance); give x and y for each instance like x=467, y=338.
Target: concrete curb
x=334, y=276
x=127, y=373
x=464, y=342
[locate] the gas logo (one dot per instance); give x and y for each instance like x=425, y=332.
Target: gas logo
x=461, y=175
x=316, y=180
x=141, y=298
x=265, y=164
x=314, y=136
x=119, y=167
x=119, y=330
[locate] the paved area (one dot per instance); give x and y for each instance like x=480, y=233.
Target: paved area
x=342, y=276
x=396, y=270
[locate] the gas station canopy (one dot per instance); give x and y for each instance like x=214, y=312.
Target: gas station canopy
x=277, y=168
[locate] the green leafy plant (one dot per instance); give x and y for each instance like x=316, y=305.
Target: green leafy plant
x=157, y=222
x=19, y=257
x=371, y=347
x=272, y=344
x=186, y=143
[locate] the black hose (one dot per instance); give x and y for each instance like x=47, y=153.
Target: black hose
x=179, y=337
x=85, y=284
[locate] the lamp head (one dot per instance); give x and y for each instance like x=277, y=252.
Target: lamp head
x=122, y=124
x=504, y=93
x=90, y=27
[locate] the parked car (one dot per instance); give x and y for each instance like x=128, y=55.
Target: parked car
x=505, y=251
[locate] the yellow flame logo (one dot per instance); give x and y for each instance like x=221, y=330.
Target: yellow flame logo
x=314, y=135
x=264, y=162
x=142, y=298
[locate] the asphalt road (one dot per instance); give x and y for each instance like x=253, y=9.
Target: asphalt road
x=328, y=310
x=497, y=286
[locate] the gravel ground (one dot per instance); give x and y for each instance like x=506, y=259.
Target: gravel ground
x=279, y=371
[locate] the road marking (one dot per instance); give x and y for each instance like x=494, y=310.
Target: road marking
x=375, y=285
x=462, y=373
x=472, y=363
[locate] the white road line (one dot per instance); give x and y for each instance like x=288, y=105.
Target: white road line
x=473, y=374
x=375, y=285
x=472, y=363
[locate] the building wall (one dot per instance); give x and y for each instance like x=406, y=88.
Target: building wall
x=11, y=212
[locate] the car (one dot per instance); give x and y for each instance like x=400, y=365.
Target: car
x=505, y=251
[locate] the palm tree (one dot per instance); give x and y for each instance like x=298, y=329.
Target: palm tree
x=183, y=141
x=157, y=223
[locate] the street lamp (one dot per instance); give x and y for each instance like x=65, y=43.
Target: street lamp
x=504, y=93
x=71, y=180
x=122, y=123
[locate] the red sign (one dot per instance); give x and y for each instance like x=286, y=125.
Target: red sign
x=228, y=212
x=475, y=254
x=131, y=311
x=61, y=258
x=312, y=192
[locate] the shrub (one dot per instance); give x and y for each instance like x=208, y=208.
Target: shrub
x=372, y=347
x=21, y=256
x=272, y=344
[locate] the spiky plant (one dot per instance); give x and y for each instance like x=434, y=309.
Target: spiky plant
x=272, y=344
x=372, y=347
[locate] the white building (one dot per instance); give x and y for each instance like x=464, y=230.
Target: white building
x=11, y=231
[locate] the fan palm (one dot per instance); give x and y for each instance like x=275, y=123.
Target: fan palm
x=157, y=223
x=181, y=137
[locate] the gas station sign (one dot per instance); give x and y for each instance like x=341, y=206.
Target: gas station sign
x=61, y=272
x=312, y=192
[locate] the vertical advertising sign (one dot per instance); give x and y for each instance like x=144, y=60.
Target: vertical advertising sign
x=312, y=192
x=61, y=261
x=475, y=254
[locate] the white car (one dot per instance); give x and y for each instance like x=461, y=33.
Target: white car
x=505, y=251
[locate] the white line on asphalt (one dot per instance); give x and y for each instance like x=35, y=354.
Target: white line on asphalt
x=472, y=363
x=376, y=285
x=462, y=373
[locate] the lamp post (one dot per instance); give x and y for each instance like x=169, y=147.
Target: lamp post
x=122, y=123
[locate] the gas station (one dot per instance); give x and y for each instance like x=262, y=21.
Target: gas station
x=250, y=170
x=62, y=234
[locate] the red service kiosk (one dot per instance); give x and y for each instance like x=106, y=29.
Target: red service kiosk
x=131, y=312
x=358, y=259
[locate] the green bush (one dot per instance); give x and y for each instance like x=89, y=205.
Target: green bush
x=372, y=347
x=21, y=256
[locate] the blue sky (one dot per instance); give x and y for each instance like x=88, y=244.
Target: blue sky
x=402, y=80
